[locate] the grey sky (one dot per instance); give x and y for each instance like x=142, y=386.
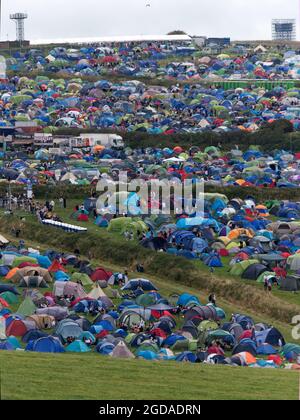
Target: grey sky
x=239, y=19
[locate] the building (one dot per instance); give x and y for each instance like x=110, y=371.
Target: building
x=115, y=39
x=222, y=42
x=200, y=41
x=284, y=29
x=7, y=45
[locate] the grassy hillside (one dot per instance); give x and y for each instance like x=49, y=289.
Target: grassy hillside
x=102, y=246
x=92, y=376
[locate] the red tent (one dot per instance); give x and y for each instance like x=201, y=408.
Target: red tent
x=83, y=218
x=158, y=332
x=101, y=274
x=223, y=252
x=55, y=266
x=27, y=264
x=4, y=303
x=16, y=328
x=102, y=334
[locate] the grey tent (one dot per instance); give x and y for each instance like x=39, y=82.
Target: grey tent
x=58, y=312
x=236, y=330
x=33, y=281
x=254, y=271
x=31, y=272
x=190, y=327
x=290, y=284
x=121, y=351
x=200, y=313
x=68, y=328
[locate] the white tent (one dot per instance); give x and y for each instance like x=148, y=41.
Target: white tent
x=3, y=241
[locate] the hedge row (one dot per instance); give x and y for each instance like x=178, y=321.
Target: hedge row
x=81, y=192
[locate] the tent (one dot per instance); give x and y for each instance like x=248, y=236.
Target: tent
x=270, y=336
x=254, y=271
x=101, y=274
x=121, y=351
x=239, y=268
x=134, y=284
x=77, y=346
x=27, y=307
x=16, y=328
x=68, y=328
x=266, y=349
x=290, y=284
x=245, y=345
x=45, y=345
x=33, y=281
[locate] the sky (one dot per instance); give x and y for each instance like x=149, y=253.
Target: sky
x=59, y=19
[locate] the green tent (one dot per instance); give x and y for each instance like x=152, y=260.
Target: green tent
x=145, y=300
x=207, y=325
x=180, y=346
x=20, y=260
x=239, y=268
x=217, y=335
x=121, y=224
x=290, y=347
x=260, y=279
x=84, y=278
x=9, y=297
x=27, y=307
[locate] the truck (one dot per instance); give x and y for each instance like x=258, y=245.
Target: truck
x=110, y=141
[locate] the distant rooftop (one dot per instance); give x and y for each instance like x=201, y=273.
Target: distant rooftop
x=113, y=39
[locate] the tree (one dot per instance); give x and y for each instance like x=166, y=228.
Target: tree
x=177, y=32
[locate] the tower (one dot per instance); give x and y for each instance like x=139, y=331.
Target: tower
x=19, y=18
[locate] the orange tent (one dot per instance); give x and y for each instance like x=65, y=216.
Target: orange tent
x=11, y=273
x=235, y=233
x=98, y=148
x=247, y=357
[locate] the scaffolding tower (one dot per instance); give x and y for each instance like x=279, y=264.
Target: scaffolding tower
x=284, y=29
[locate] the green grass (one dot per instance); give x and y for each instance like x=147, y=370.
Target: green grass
x=94, y=377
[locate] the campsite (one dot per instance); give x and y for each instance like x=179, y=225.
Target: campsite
x=149, y=207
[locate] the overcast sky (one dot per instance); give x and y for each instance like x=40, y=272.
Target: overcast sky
x=57, y=19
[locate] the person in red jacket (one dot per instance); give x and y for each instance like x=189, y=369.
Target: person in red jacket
x=216, y=348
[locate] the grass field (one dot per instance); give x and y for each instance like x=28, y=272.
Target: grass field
x=39, y=376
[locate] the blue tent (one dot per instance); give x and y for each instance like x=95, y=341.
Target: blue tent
x=45, y=345
x=270, y=336
x=61, y=276
x=186, y=298
x=186, y=356
x=4, y=269
x=246, y=345
x=105, y=348
x=33, y=335
x=6, y=345
x=146, y=354
x=101, y=222
x=78, y=346
x=266, y=349
x=172, y=339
